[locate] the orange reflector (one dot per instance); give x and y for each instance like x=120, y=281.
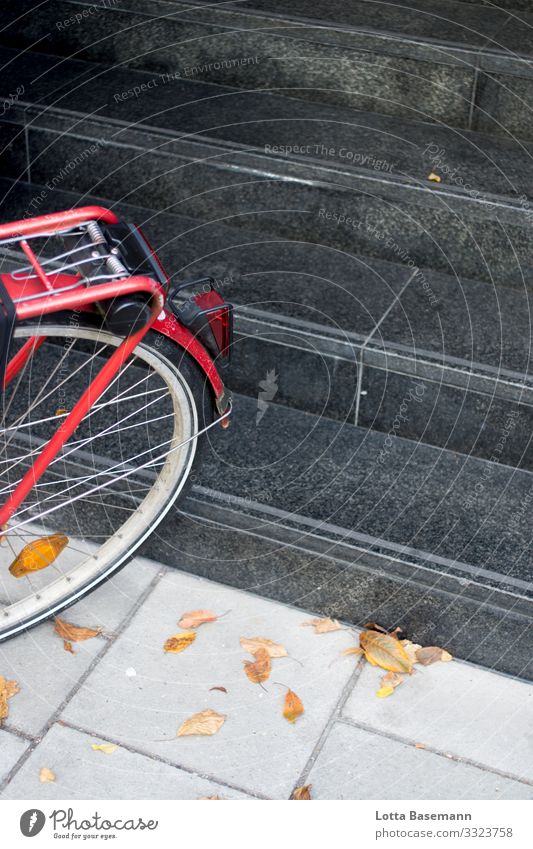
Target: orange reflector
x=38, y=554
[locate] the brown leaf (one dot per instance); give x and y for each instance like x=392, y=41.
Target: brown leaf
x=220, y=689
x=205, y=723
x=46, y=775
x=218, y=798
x=68, y=646
x=38, y=554
x=179, y=642
x=253, y=644
x=420, y=745
x=353, y=650
x=324, y=626
x=195, y=618
x=302, y=793
x=73, y=633
x=385, y=651
x=432, y=654
x=7, y=690
x=106, y=748
x=293, y=707
x=259, y=670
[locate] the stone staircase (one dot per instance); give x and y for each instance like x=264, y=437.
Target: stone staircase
x=388, y=476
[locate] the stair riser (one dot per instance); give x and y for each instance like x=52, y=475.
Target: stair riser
x=458, y=86
x=350, y=212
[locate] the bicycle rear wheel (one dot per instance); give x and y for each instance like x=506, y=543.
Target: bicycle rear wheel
x=115, y=478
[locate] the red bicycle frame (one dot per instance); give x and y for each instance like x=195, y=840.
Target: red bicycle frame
x=44, y=293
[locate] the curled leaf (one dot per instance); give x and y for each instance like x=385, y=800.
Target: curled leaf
x=410, y=649
x=38, y=554
x=302, y=793
x=434, y=177
x=392, y=679
x=323, y=626
x=7, y=690
x=195, y=618
x=106, y=748
x=293, y=707
x=179, y=642
x=253, y=644
x=258, y=670
x=73, y=633
x=432, y=654
x=220, y=689
x=46, y=775
x=205, y=723
x=67, y=645
x=385, y=651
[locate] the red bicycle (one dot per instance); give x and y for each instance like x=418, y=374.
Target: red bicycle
x=110, y=378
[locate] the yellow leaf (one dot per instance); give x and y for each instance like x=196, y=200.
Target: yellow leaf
x=432, y=654
x=293, y=707
x=7, y=690
x=72, y=633
x=253, y=644
x=302, y=793
x=195, y=618
x=106, y=748
x=179, y=642
x=205, y=723
x=323, y=626
x=259, y=670
x=384, y=692
x=434, y=177
x=385, y=651
x=46, y=775
x=38, y=554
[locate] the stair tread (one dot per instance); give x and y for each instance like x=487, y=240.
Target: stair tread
x=355, y=299
x=468, y=25
x=469, y=513
x=338, y=139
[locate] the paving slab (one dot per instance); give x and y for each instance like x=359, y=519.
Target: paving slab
x=82, y=773
x=139, y=695
x=37, y=660
x=456, y=708
x=359, y=764
x=11, y=748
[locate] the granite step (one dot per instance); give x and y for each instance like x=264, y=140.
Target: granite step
x=333, y=517
x=187, y=150
x=467, y=65
x=438, y=359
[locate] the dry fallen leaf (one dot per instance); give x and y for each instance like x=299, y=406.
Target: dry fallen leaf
x=410, y=649
x=179, y=642
x=253, y=644
x=293, y=707
x=46, y=775
x=432, y=654
x=353, y=650
x=389, y=682
x=205, y=723
x=434, y=177
x=72, y=633
x=106, y=748
x=385, y=651
x=68, y=646
x=218, y=798
x=323, y=626
x=420, y=745
x=302, y=793
x=258, y=670
x=38, y=554
x=220, y=689
x=7, y=690
x=195, y=618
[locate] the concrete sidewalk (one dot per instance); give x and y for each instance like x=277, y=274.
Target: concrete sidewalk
x=475, y=726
